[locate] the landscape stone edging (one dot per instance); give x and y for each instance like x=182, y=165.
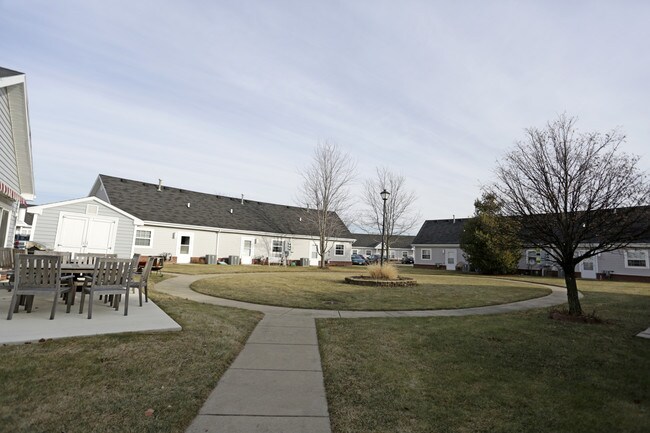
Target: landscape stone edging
x=369, y=281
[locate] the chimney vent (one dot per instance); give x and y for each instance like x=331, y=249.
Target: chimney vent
x=242, y=199
x=454, y=221
x=188, y=204
x=159, y=184
x=230, y=210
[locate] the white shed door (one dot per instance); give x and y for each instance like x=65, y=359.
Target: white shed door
x=79, y=233
x=72, y=233
x=101, y=235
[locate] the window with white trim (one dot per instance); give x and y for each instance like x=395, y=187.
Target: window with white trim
x=369, y=252
x=636, y=259
x=405, y=253
x=339, y=249
x=276, y=248
x=392, y=254
x=143, y=238
x=425, y=254
x=355, y=251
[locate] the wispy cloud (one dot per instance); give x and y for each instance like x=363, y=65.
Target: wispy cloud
x=230, y=98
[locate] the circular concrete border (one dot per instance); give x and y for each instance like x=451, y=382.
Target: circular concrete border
x=180, y=286
x=361, y=280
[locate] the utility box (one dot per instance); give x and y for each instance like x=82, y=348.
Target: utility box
x=304, y=261
x=233, y=260
x=211, y=259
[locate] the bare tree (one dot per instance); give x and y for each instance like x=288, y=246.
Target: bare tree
x=400, y=215
x=574, y=194
x=324, y=192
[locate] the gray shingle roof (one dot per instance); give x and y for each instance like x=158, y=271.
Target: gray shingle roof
x=4, y=72
x=366, y=240
x=372, y=240
x=440, y=232
x=170, y=205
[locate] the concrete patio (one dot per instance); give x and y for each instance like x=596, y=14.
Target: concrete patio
x=35, y=326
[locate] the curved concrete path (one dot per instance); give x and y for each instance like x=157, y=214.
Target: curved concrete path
x=276, y=382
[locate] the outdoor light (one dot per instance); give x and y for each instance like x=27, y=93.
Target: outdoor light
x=384, y=196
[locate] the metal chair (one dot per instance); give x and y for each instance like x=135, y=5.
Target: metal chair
x=37, y=275
x=110, y=277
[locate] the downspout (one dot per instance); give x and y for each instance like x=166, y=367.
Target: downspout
x=217, y=246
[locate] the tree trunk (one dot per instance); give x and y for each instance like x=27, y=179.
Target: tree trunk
x=572, y=292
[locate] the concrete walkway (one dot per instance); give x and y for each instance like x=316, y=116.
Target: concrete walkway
x=276, y=383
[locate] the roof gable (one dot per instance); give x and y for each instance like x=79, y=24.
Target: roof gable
x=38, y=209
x=443, y=232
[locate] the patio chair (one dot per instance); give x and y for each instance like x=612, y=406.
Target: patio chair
x=110, y=277
x=144, y=280
x=90, y=258
x=37, y=275
x=6, y=264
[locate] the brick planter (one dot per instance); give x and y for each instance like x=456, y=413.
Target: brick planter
x=369, y=281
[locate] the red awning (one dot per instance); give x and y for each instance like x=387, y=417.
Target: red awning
x=7, y=191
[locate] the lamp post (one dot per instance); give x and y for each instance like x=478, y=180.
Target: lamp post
x=384, y=196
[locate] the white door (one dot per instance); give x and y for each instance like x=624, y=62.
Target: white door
x=71, y=235
x=589, y=268
x=313, y=255
x=451, y=260
x=79, y=233
x=184, y=246
x=247, y=251
x=101, y=234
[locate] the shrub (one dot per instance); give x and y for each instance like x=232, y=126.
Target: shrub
x=386, y=272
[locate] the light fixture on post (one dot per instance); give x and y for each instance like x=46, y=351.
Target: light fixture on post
x=384, y=196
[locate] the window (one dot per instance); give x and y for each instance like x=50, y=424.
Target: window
x=277, y=248
x=533, y=257
x=426, y=254
x=185, y=245
x=143, y=238
x=339, y=250
x=636, y=259
x=405, y=253
x=369, y=252
x=355, y=251
x=392, y=254
x=248, y=248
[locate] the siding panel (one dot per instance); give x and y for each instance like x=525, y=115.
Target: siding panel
x=8, y=169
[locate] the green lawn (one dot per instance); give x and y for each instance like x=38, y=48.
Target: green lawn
x=327, y=290
x=507, y=373
x=106, y=383
x=199, y=269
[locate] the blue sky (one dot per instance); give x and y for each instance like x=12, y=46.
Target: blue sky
x=231, y=97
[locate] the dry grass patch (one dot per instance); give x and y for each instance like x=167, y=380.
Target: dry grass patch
x=106, y=383
x=327, y=290
x=507, y=373
x=385, y=272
